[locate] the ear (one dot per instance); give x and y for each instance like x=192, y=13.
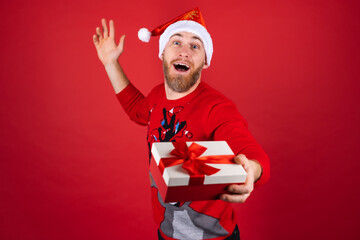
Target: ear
x=205, y=66
x=162, y=57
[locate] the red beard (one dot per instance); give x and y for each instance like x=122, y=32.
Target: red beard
x=179, y=82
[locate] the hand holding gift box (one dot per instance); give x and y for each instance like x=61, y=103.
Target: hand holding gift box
x=194, y=170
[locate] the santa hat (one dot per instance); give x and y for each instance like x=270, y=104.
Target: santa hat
x=191, y=21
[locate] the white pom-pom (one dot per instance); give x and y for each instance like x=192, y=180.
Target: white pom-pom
x=144, y=35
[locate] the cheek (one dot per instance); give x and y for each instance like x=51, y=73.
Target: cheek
x=200, y=57
x=167, y=54
x=200, y=60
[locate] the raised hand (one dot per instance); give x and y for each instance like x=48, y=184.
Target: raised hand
x=107, y=49
x=108, y=53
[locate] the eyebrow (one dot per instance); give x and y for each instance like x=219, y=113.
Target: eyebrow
x=180, y=35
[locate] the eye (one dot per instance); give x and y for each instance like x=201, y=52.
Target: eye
x=176, y=43
x=195, y=46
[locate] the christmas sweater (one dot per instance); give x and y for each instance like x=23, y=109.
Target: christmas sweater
x=203, y=115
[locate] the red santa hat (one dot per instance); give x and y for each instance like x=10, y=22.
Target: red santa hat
x=191, y=21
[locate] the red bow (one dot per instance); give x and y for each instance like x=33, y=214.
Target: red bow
x=192, y=162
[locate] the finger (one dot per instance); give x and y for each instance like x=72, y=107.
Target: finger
x=95, y=39
x=121, y=43
x=242, y=160
x=234, y=198
x=245, y=188
x=112, y=29
x=99, y=34
x=105, y=29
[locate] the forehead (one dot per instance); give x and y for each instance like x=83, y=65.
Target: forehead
x=187, y=36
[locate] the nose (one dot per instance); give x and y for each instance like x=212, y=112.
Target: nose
x=184, y=52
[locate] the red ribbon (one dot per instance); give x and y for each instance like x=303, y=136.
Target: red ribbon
x=192, y=162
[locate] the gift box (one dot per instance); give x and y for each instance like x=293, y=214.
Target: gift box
x=191, y=171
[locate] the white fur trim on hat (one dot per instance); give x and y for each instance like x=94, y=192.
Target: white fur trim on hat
x=191, y=27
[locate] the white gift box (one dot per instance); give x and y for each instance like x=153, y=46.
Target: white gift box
x=175, y=184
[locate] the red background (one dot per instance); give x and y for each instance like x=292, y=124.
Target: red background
x=73, y=166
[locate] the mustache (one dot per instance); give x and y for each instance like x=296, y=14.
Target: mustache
x=181, y=60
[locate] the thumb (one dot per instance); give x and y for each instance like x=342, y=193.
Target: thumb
x=242, y=160
x=121, y=43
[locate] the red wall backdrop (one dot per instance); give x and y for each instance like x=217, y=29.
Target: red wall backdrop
x=73, y=166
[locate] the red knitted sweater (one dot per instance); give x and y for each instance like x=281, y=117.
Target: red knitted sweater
x=203, y=115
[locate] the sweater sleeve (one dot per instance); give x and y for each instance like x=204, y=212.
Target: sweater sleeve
x=134, y=104
x=226, y=123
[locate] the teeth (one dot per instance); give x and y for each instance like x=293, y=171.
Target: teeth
x=181, y=67
x=182, y=64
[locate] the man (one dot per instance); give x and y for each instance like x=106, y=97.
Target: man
x=185, y=108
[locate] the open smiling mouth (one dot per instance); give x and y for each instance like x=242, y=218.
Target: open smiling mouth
x=181, y=67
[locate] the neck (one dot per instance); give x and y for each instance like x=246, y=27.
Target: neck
x=172, y=95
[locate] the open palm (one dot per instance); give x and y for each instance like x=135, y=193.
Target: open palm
x=107, y=50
